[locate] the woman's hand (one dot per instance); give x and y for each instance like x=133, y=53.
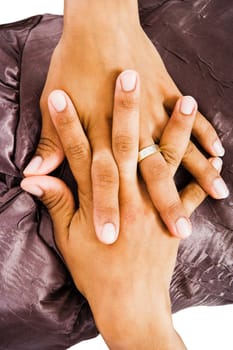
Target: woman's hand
x=127, y=283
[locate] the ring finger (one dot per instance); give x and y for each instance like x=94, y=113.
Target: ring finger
x=158, y=174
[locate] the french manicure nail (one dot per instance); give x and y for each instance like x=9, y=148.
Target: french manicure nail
x=128, y=80
x=33, y=189
x=183, y=227
x=108, y=235
x=217, y=163
x=58, y=101
x=220, y=188
x=34, y=165
x=218, y=148
x=187, y=105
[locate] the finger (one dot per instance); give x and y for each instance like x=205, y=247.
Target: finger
x=202, y=128
x=58, y=199
x=158, y=172
x=207, y=136
x=105, y=182
x=105, y=175
x=73, y=140
x=193, y=160
x=205, y=174
x=49, y=153
x=193, y=194
x=105, y=187
x=125, y=132
x=176, y=135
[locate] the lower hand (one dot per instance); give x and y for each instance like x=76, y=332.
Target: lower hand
x=127, y=283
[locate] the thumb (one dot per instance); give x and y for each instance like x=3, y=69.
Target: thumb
x=49, y=153
x=59, y=201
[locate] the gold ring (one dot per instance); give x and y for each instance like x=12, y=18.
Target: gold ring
x=148, y=151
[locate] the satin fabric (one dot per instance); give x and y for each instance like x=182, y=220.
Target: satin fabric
x=40, y=307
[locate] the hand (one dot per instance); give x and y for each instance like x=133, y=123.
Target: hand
x=127, y=283
x=85, y=64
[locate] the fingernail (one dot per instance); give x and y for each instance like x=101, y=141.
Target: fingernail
x=108, y=235
x=33, y=189
x=58, y=101
x=217, y=163
x=128, y=80
x=218, y=148
x=187, y=105
x=183, y=227
x=220, y=188
x=34, y=165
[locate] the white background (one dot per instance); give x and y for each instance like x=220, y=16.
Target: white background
x=201, y=328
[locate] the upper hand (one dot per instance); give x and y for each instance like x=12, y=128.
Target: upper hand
x=87, y=72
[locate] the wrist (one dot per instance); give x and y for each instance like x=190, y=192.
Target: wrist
x=83, y=15
x=162, y=339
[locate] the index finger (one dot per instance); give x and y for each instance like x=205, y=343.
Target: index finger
x=73, y=139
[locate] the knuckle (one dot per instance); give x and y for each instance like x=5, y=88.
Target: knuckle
x=203, y=128
x=194, y=196
x=208, y=131
x=47, y=145
x=128, y=101
x=172, y=208
x=158, y=172
x=53, y=200
x=170, y=154
x=104, y=173
x=78, y=152
x=189, y=151
x=106, y=212
x=104, y=179
x=66, y=119
x=198, y=194
x=123, y=143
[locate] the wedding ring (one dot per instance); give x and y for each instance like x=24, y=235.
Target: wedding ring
x=148, y=151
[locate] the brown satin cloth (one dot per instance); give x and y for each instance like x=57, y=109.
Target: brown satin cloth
x=40, y=307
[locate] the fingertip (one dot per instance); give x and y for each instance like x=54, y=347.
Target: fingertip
x=128, y=80
x=217, y=163
x=57, y=100
x=183, y=228
x=34, y=166
x=108, y=234
x=218, y=148
x=187, y=105
x=43, y=165
x=32, y=188
x=219, y=188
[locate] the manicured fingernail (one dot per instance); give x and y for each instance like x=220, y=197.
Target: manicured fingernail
x=34, y=165
x=33, y=189
x=218, y=148
x=220, y=188
x=187, y=105
x=217, y=163
x=108, y=235
x=183, y=227
x=58, y=101
x=128, y=80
